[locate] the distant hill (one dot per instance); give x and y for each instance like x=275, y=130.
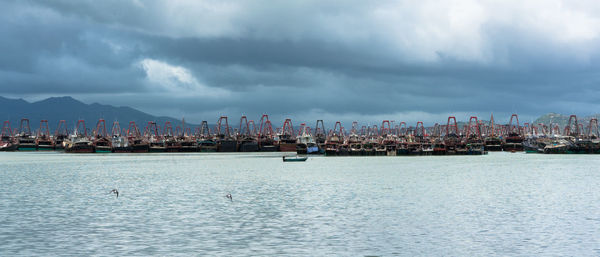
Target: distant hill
x=562, y=120
x=69, y=109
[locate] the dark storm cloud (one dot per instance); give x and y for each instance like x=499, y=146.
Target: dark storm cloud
x=306, y=60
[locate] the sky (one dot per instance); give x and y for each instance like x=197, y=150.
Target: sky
x=306, y=60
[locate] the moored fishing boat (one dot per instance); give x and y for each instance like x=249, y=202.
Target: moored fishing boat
x=246, y=139
x=136, y=143
x=556, y=145
x=304, y=139
x=171, y=144
x=7, y=141
x=156, y=143
x=79, y=142
x=514, y=140
x=439, y=148
x=61, y=135
x=25, y=140
x=188, y=145
x=101, y=142
x=426, y=148
x=119, y=142
x=354, y=144
x=204, y=139
x=492, y=142
x=474, y=140
x=43, y=141
x=334, y=140
x=225, y=142
x=207, y=145
x=266, y=136
x=532, y=145
x=186, y=140
x=287, y=139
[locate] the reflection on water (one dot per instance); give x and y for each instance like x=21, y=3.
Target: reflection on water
x=175, y=204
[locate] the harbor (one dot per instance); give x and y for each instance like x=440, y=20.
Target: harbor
x=390, y=138
x=350, y=206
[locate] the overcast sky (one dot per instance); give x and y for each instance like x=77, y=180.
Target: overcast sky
x=333, y=60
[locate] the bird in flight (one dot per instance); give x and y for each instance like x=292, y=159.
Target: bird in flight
x=114, y=191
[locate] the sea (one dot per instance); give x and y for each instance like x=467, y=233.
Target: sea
x=500, y=204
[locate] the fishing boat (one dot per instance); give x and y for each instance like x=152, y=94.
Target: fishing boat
x=294, y=159
x=207, y=145
x=492, y=142
x=186, y=140
x=332, y=145
x=188, y=144
x=266, y=136
x=61, y=135
x=79, y=145
x=439, y=148
x=556, y=145
x=246, y=138
x=156, y=146
x=533, y=145
x=79, y=142
x=248, y=145
x=120, y=144
x=25, y=140
x=402, y=148
x=171, y=144
x=390, y=144
x=6, y=146
x=320, y=137
x=225, y=142
x=287, y=139
x=136, y=142
x=426, y=148
x=514, y=140
x=354, y=144
x=156, y=142
x=102, y=144
x=334, y=140
x=43, y=141
x=44, y=144
x=138, y=145
x=305, y=140
x=7, y=142
x=475, y=144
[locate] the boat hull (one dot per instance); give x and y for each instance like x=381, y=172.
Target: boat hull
x=80, y=149
x=9, y=148
x=227, y=146
x=248, y=147
x=268, y=148
x=27, y=147
x=122, y=149
x=103, y=149
x=287, y=147
x=139, y=148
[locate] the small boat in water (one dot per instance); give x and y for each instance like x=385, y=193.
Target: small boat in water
x=294, y=159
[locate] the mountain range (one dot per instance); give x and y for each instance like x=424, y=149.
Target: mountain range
x=69, y=109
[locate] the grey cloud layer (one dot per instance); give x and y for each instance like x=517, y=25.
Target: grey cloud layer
x=341, y=59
